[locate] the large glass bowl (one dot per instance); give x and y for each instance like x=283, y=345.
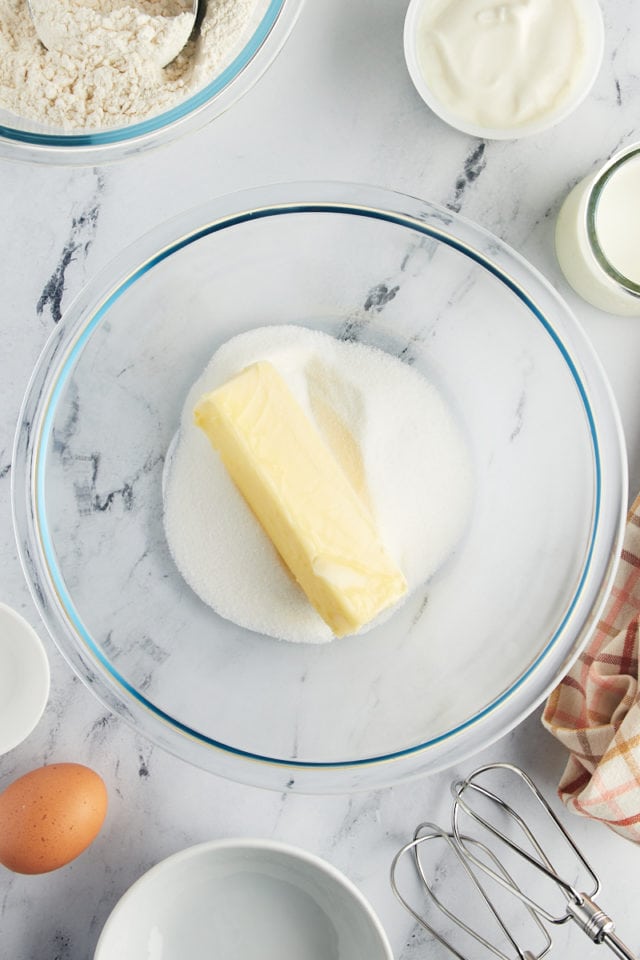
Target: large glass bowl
x=464, y=659
x=24, y=139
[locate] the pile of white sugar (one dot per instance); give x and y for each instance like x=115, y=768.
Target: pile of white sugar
x=105, y=66
x=393, y=435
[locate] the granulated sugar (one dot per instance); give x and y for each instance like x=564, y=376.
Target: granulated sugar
x=396, y=440
x=106, y=69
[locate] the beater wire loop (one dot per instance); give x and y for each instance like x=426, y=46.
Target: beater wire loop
x=426, y=832
x=476, y=859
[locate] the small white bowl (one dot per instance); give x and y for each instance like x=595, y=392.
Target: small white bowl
x=24, y=679
x=594, y=41
x=239, y=899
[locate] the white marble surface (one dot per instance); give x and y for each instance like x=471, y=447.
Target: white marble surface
x=336, y=104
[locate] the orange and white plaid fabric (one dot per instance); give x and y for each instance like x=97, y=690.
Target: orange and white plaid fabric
x=595, y=711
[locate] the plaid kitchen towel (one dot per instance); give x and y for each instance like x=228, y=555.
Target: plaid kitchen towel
x=595, y=711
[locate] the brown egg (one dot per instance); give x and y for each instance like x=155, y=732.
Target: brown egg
x=49, y=816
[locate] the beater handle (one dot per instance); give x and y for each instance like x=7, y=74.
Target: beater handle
x=597, y=925
x=618, y=947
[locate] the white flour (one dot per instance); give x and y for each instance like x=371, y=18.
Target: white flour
x=95, y=33
x=409, y=457
x=104, y=68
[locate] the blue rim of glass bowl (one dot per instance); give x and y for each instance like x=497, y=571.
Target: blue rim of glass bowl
x=211, y=228
x=163, y=120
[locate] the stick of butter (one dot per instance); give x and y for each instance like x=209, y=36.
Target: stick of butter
x=298, y=492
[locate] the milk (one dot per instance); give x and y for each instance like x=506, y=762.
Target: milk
x=598, y=235
x=617, y=219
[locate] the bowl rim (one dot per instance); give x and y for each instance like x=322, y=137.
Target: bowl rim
x=210, y=848
x=523, y=695
x=113, y=143
x=595, y=52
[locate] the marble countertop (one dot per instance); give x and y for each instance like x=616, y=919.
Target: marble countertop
x=336, y=104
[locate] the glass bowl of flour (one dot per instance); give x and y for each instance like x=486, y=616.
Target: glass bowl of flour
x=468, y=410
x=105, y=93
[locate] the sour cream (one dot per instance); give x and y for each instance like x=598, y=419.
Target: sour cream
x=598, y=235
x=507, y=66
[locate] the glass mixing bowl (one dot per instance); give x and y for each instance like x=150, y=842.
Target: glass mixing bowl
x=466, y=657
x=24, y=139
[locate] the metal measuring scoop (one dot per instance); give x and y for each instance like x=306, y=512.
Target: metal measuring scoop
x=85, y=32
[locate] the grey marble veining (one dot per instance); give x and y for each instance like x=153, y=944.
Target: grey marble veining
x=355, y=117
x=84, y=224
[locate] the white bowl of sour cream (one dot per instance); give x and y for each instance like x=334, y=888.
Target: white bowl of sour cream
x=503, y=69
